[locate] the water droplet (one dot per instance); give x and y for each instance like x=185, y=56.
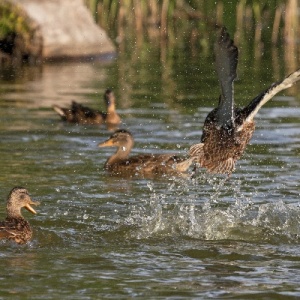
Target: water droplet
x=149, y=185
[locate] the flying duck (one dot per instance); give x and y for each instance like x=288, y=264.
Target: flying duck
x=227, y=129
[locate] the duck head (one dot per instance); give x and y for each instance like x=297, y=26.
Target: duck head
x=17, y=199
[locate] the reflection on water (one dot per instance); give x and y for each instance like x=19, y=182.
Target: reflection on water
x=57, y=83
x=100, y=236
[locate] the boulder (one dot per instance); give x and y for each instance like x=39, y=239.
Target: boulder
x=58, y=29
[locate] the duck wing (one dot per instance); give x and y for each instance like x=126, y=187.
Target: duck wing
x=79, y=109
x=9, y=229
x=4, y=234
x=253, y=107
x=226, y=56
x=16, y=229
x=165, y=163
x=85, y=114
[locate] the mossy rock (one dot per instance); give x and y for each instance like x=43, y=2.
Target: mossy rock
x=19, y=35
x=51, y=30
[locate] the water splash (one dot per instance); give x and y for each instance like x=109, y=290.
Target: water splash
x=204, y=215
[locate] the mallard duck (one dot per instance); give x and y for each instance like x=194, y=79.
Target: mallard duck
x=153, y=164
x=80, y=114
x=15, y=227
x=228, y=129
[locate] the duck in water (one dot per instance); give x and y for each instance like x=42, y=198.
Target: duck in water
x=228, y=129
x=80, y=114
x=15, y=227
x=142, y=164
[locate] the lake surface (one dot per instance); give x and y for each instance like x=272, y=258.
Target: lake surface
x=102, y=237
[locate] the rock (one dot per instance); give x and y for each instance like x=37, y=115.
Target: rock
x=59, y=29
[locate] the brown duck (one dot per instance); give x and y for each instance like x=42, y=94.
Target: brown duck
x=151, y=164
x=228, y=129
x=80, y=114
x=15, y=227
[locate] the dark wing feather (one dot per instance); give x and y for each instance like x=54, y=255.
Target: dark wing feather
x=82, y=113
x=226, y=55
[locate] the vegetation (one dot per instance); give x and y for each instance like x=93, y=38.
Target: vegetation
x=12, y=21
x=144, y=29
x=272, y=20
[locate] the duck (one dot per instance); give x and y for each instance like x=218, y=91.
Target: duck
x=15, y=227
x=228, y=129
x=142, y=164
x=80, y=114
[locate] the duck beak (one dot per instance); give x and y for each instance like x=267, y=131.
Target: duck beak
x=29, y=207
x=108, y=143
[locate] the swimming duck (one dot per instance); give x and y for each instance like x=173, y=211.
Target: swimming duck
x=80, y=114
x=151, y=164
x=15, y=227
x=228, y=129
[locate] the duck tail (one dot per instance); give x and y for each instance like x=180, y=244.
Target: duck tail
x=183, y=165
x=59, y=110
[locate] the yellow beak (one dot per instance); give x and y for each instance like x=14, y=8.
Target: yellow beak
x=29, y=207
x=108, y=143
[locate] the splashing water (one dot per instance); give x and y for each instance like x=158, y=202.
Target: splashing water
x=206, y=216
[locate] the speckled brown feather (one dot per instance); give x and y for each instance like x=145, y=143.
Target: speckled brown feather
x=219, y=148
x=150, y=164
x=16, y=229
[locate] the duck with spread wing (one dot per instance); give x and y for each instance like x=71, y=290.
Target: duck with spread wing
x=228, y=129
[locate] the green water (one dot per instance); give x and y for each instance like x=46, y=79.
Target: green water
x=103, y=237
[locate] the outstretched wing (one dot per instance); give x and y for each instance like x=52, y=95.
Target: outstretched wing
x=253, y=107
x=226, y=55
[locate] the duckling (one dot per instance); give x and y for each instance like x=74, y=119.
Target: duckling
x=80, y=114
x=15, y=227
x=227, y=129
x=151, y=164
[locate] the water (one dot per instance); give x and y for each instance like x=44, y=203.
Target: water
x=102, y=237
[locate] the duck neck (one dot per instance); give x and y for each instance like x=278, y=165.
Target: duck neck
x=111, y=108
x=13, y=212
x=121, y=154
